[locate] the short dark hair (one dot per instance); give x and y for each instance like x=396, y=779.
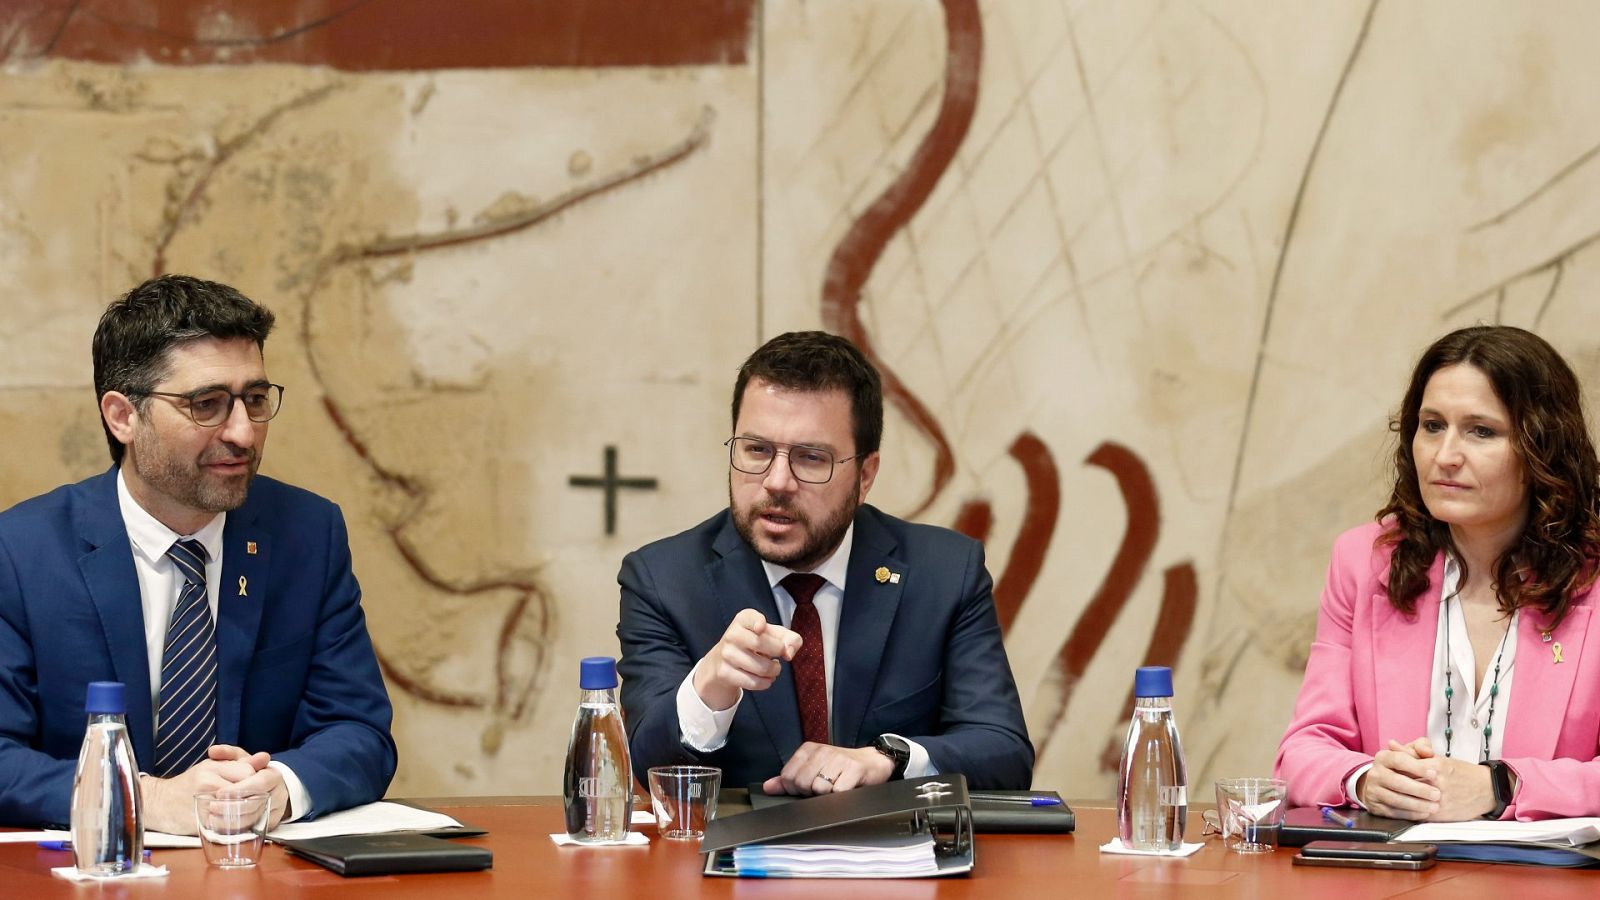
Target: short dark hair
x=819, y=361
x=1555, y=556
x=133, y=342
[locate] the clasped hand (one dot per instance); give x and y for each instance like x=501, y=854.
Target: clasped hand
x=1408, y=781
x=749, y=657
x=169, y=802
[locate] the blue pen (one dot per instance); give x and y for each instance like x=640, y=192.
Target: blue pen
x=1337, y=818
x=1031, y=801
x=67, y=846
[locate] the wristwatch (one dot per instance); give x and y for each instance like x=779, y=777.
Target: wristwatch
x=1500, y=778
x=898, y=751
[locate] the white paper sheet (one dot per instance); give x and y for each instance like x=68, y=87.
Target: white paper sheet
x=373, y=818
x=634, y=839
x=145, y=870
x=1116, y=846
x=155, y=840
x=1575, y=832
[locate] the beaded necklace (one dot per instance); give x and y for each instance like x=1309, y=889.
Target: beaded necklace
x=1449, y=685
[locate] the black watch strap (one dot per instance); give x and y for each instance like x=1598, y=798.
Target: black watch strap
x=1500, y=780
x=898, y=751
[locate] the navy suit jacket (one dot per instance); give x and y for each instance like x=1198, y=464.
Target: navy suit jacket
x=921, y=657
x=296, y=673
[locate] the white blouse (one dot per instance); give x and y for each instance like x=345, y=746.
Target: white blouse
x=1470, y=708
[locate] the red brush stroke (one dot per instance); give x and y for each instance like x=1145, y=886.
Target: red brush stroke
x=1180, y=595
x=1038, y=527
x=1138, y=542
x=861, y=248
x=975, y=520
x=391, y=35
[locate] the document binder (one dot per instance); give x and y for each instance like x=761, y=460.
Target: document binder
x=877, y=815
x=990, y=813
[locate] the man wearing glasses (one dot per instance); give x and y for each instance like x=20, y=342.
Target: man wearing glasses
x=224, y=602
x=800, y=638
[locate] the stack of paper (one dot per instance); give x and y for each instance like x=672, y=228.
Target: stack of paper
x=371, y=818
x=1569, y=832
x=862, y=850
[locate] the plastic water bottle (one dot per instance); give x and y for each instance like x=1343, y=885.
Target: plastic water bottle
x=107, y=813
x=598, y=787
x=1152, y=786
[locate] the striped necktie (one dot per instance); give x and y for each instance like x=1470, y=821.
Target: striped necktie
x=186, y=719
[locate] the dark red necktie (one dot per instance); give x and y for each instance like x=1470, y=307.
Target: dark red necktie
x=810, y=677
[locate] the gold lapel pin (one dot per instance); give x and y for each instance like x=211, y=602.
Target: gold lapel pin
x=243, y=592
x=1555, y=650
x=250, y=548
x=882, y=574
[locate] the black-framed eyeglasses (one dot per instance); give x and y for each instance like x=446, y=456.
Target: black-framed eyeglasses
x=812, y=465
x=210, y=407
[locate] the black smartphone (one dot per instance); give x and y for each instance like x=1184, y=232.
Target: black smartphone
x=1364, y=855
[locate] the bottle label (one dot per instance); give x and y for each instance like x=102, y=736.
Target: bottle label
x=1172, y=795
x=597, y=788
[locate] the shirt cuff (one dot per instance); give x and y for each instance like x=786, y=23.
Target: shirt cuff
x=701, y=728
x=1350, y=785
x=920, y=766
x=299, y=799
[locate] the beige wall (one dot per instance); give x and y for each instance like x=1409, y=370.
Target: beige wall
x=1213, y=236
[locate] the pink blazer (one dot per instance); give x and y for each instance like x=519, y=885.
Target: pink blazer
x=1369, y=675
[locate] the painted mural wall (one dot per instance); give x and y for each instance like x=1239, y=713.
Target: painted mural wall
x=1144, y=279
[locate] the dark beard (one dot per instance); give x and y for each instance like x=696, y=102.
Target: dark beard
x=184, y=483
x=820, y=542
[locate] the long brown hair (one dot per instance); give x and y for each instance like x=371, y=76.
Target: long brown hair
x=1555, y=556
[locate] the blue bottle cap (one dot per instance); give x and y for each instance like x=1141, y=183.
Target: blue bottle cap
x=1152, y=681
x=105, y=699
x=597, y=673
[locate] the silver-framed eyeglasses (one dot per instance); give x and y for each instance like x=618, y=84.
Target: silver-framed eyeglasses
x=210, y=407
x=812, y=465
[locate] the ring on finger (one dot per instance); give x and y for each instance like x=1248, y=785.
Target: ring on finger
x=825, y=778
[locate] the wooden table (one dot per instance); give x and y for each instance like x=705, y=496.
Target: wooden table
x=527, y=866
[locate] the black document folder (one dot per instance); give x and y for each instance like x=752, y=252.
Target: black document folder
x=390, y=854
x=1304, y=824
x=864, y=818
x=993, y=812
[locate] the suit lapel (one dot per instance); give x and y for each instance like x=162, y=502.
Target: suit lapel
x=246, y=554
x=108, y=572
x=864, y=623
x=1542, y=688
x=738, y=582
x=1402, y=653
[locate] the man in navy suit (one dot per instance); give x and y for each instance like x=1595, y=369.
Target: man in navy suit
x=224, y=601
x=896, y=666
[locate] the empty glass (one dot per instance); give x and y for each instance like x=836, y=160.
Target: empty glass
x=233, y=826
x=684, y=799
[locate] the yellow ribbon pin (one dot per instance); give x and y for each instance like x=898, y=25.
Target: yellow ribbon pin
x=1555, y=650
x=242, y=591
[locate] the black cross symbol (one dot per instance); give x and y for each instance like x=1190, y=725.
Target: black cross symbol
x=611, y=482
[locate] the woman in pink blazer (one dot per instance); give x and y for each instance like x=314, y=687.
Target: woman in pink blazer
x=1448, y=679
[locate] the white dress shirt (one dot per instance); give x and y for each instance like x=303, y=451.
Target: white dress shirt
x=704, y=729
x=1470, y=708
x=159, y=581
